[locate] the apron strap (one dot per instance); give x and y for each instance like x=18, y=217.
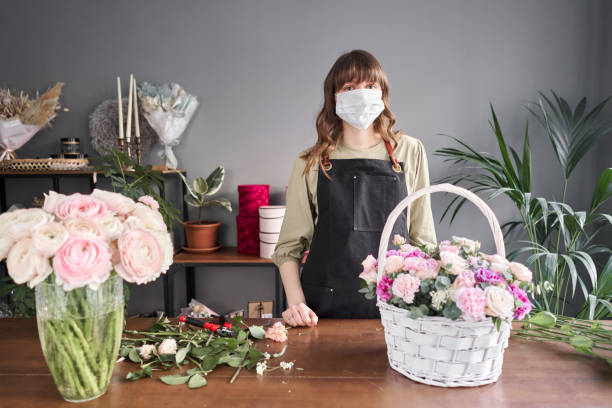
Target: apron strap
x=395, y=166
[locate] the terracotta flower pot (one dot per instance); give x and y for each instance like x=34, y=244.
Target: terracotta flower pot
x=201, y=234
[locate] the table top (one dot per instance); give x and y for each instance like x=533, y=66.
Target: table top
x=225, y=255
x=344, y=364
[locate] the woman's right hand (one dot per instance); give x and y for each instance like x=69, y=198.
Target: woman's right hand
x=300, y=315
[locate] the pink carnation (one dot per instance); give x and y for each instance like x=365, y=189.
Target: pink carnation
x=465, y=279
x=423, y=268
x=382, y=290
x=484, y=275
x=277, y=332
x=521, y=312
x=81, y=206
x=471, y=302
x=82, y=260
x=405, y=286
x=150, y=201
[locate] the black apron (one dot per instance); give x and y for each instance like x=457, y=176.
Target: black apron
x=353, y=208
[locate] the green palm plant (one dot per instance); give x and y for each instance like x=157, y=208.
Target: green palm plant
x=561, y=242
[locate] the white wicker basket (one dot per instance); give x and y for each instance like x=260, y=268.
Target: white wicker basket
x=436, y=350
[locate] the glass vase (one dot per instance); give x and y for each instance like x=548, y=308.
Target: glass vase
x=80, y=332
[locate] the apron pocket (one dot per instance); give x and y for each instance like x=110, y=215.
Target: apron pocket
x=373, y=199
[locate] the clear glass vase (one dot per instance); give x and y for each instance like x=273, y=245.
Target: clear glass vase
x=80, y=332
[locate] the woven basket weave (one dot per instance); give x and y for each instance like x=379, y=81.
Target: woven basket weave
x=436, y=350
x=43, y=164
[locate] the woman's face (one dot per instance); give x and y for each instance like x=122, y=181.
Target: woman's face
x=351, y=86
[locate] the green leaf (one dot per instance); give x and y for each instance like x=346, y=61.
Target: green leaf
x=238, y=320
x=134, y=356
x=137, y=375
x=197, y=381
x=181, y=354
x=221, y=202
x=257, y=332
x=200, y=186
x=442, y=282
x=242, y=336
x=582, y=342
x=543, y=319
x=174, y=379
x=603, y=189
x=451, y=311
x=191, y=201
x=209, y=363
x=215, y=180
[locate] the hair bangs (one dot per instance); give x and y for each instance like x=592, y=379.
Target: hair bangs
x=357, y=67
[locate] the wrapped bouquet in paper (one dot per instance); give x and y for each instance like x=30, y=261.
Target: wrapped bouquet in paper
x=168, y=108
x=21, y=117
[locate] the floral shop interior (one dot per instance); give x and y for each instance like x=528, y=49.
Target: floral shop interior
x=345, y=203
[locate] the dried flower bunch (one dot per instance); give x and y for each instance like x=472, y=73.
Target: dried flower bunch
x=37, y=112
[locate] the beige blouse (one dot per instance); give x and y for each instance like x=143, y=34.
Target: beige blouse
x=302, y=212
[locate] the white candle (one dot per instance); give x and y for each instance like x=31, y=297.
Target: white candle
x=119, y=105
x=128, y=126
x=136, y=124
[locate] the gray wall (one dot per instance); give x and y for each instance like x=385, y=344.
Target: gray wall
x=258, y=67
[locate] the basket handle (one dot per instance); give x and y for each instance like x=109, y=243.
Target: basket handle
x=448, y=188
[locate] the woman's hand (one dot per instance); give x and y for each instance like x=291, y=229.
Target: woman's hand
x=300, y=315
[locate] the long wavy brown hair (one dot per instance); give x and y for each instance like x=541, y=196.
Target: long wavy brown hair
x=354, y=66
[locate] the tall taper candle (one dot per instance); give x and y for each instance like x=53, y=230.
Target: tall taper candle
x=120, y=107
x=128, y=126
x=137, y=126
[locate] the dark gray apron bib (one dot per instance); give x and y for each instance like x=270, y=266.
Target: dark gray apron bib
x=353, y=208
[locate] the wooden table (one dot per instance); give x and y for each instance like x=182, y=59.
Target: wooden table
x=344, y=365
x=226, y=256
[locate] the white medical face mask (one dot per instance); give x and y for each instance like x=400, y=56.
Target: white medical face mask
x=360, y=107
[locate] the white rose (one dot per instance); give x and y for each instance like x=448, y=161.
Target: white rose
x=145, y=218
x=521, y=272
x=398, y=240
x=111, y=227
x=473, y=246
x=168, y=346
x=20, y=223
x=51, y=201
x=499, y=267
x=83, y=227
x=452, y=262
x=25, y=264
x=48, y=238
x=394, y=264
x=408, y=248
x=116, y=202
x=498, y=302
x=5, y=246
x=146, y=351
x=165, y=243
x=495, y=259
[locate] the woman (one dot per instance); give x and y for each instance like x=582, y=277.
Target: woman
x=341, y=191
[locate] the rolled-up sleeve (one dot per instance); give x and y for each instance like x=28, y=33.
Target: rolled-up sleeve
x=298, y=224
x=422, y=230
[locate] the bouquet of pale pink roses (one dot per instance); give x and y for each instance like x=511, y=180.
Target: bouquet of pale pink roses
x=76, y=250
x=453, y=279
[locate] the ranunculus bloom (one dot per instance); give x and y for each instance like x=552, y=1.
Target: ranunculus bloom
x=484, y=275
x=369, y=269
x=471, y=302
x=423, y=268
x=145, y=218
x=82, y=260
x=116, y=202
x=146, y=351
x=25, y=264
x=48, y=238
x=405, y=286
x=18, y=224
x=150, y=201
x=446, y=246
x=452, y=262
x=520, y=272
x=141, y=257
x=83, y=228
x=398, y=240
x=5, y=246
x=465, y=279
x=382, y=289
x=111, y=227
x=168, y=346
x=394, y=264
x=51, y=201
x=277, y=332
x=81, y=206
x=520, y=312
x=499, y=302
x=165, y=244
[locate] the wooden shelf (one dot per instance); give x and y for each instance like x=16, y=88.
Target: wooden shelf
x=225, y=255
x=81, y=172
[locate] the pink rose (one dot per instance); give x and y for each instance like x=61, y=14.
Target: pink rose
x=422, y=268
x=117, y=203
x=81, y=206
x=520, y=272
x=49, y=238
x=150, y=201
x=25, y=264
x=369, y=269
x=446, y=246
x=398, y=240
x=499, y=302
x=495, y=259
x=452, y=262
x=277, y=332
x=141, y=257
x=471, y=245
x=394, y=264
x=405, y=286
x=82, y=260
x=465, y=279
x=471, y=302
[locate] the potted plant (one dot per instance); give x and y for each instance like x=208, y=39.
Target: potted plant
x=202, y=234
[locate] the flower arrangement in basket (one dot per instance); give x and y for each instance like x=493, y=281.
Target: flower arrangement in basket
x=75, y=251
x=446, y=309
